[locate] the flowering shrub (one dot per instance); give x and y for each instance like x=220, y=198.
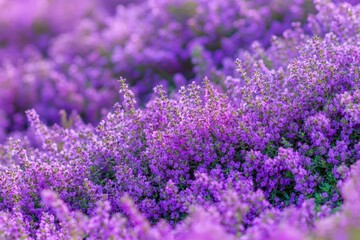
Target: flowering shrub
x=272, y=155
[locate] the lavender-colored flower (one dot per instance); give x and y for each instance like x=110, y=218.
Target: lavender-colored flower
x=273, y=155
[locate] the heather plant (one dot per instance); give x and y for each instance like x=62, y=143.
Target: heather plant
x=110, y=170
x=273, y=156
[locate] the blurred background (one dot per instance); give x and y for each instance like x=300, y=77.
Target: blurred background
x=68, y=55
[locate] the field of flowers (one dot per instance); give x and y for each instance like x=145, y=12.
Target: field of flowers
x=238, y=119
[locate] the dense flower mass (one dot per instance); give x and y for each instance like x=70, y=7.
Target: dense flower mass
x=259, y=137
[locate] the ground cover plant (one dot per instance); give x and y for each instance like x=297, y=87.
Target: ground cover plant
x=252, y=130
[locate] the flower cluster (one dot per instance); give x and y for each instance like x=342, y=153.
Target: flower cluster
x=270, y=152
